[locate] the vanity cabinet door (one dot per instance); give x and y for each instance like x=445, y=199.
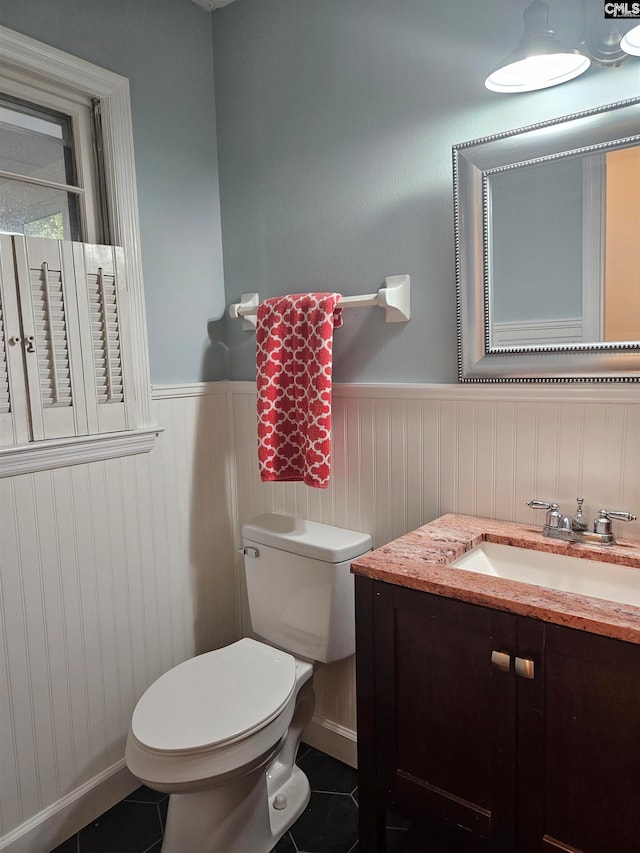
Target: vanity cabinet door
x=445, y=716
x=579, y=743
x=535, y=751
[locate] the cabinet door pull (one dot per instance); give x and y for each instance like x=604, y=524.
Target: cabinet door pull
x=501, y=661
x=525, y=668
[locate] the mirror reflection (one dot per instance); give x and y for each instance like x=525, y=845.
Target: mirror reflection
x=564, y=251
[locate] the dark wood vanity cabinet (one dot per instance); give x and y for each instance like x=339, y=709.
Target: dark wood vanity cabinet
x=483, y=758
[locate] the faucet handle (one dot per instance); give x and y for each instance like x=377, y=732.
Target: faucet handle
x=534, y=504
x=617, y=515
x=602, y=524
x=554, y=517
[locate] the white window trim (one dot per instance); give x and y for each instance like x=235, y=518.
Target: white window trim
x=75, y=450
x=594, y=193
x=113, y=91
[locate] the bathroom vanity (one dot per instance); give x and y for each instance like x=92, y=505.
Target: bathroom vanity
x=496, y=714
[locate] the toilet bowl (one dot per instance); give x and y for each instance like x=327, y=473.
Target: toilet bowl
x=220, y=732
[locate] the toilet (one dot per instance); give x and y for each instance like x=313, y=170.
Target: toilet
x=220, y=732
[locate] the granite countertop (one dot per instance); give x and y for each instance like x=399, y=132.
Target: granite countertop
x=421, y=560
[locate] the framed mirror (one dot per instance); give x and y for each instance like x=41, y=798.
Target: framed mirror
x=547, y=235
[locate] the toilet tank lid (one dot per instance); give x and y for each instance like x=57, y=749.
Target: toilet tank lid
x=307, y=538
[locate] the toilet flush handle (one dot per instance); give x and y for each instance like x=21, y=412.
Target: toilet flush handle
x=250, y=552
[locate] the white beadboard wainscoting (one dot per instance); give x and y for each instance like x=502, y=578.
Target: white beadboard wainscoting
x=113, y=571
x=404, y=455
x=110, y=573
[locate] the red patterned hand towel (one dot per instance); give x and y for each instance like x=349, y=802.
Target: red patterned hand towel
x=294, y=339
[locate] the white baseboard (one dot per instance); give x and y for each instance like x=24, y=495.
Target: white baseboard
x=333, y=739
x=69, y=815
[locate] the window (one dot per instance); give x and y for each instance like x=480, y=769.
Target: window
x=38, y=185
x=73, y=351
x=48, y=168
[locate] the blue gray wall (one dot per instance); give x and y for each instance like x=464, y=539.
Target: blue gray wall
x=335, y=125
x=164, y=48
x=335, y=122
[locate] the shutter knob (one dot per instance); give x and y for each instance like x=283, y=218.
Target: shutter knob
x=14, y=339
x=30, y=343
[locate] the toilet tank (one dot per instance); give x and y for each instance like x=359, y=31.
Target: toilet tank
x=299, y=584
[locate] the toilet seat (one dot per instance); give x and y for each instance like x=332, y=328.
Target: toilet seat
x=215, y=699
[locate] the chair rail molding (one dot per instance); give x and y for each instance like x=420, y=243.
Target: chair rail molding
x=514, y=392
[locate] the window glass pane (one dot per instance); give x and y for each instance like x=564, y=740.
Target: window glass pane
x=38, y=211
x=36, y=143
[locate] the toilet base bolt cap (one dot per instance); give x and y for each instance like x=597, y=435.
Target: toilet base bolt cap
x=279, y=801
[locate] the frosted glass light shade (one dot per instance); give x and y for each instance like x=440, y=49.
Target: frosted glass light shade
x=630, y=41
x=537, y=72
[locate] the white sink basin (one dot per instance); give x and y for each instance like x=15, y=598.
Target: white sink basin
x=554, y=571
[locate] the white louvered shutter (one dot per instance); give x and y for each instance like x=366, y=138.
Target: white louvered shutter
x=14, y=421
x=51, y=335
x=5, y=400
x=104, y=323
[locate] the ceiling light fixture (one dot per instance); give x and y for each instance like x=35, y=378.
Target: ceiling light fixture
x=631, y=41
x=540, y=60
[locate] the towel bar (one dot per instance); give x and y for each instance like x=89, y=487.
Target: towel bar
x=394, y=297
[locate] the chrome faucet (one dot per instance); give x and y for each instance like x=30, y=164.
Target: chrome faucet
x=572, y=528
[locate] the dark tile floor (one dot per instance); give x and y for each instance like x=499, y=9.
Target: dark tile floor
x=328, y=825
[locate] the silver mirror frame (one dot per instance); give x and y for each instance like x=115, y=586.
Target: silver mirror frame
x=616, y=125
